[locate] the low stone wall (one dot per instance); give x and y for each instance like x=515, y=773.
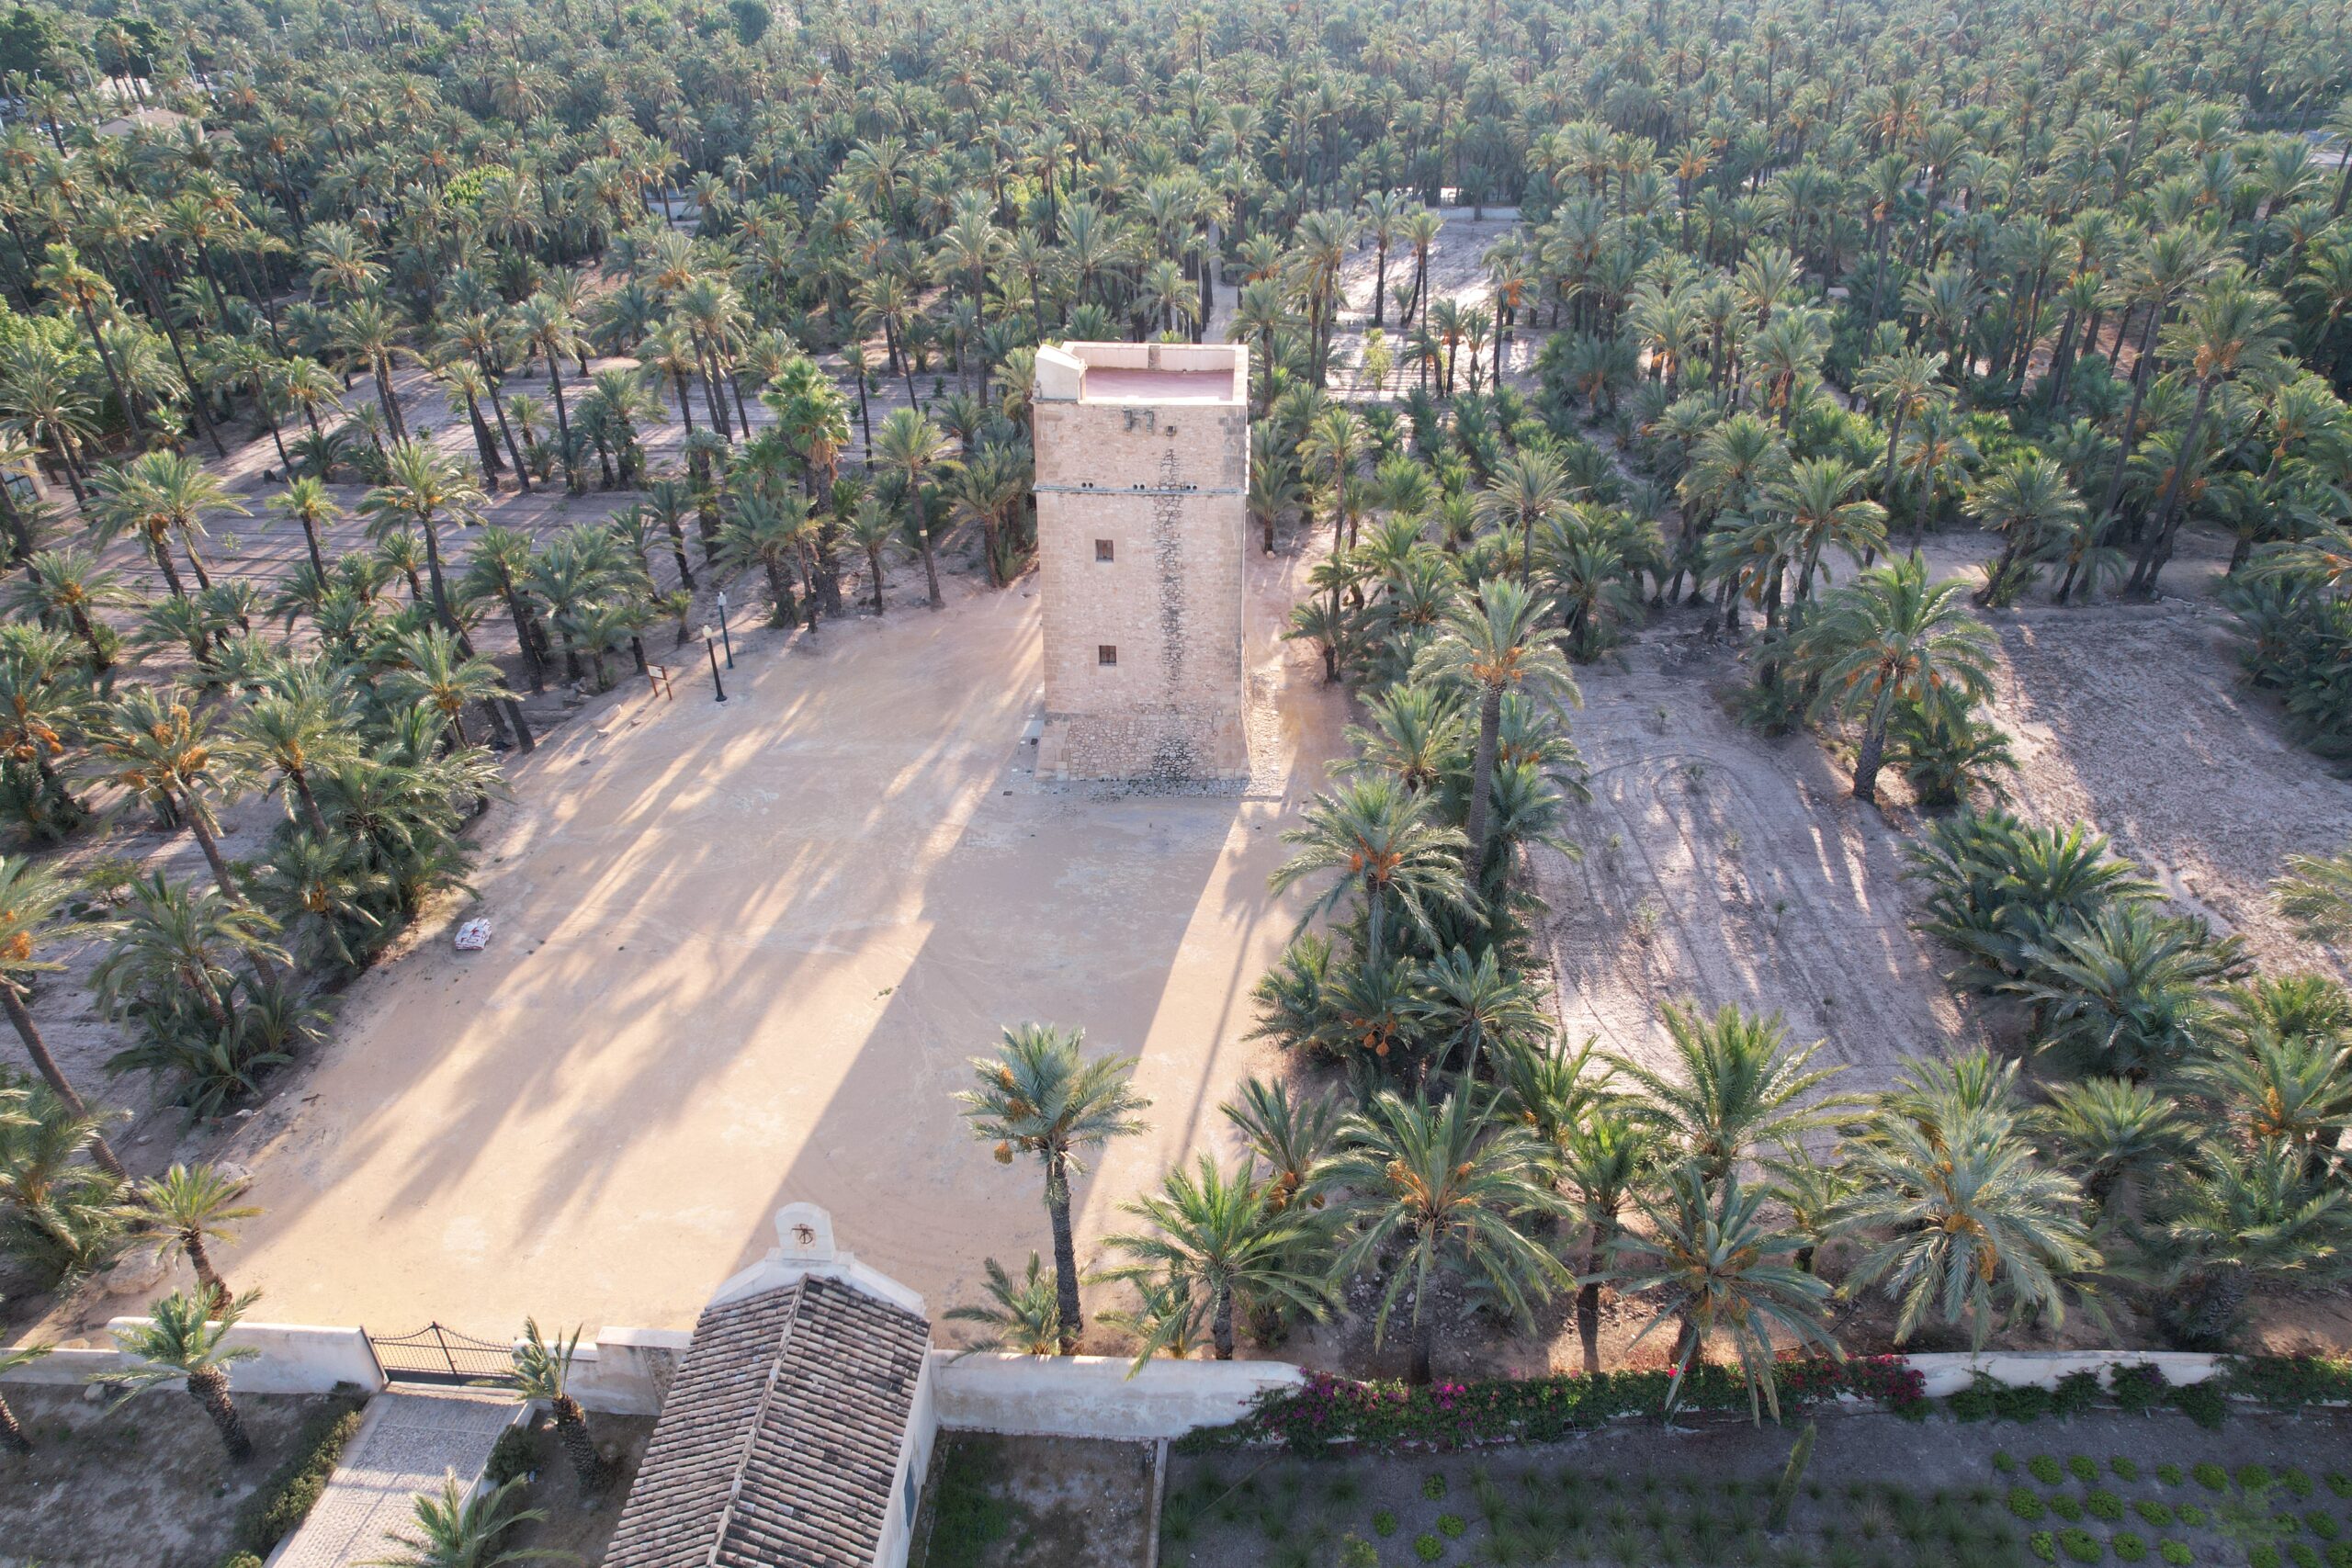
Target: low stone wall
x=1092, y=1396
x=627, y=1371
x=1949, y=1373
x=293, y=1358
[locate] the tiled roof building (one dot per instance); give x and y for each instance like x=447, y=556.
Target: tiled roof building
x=799, y=1425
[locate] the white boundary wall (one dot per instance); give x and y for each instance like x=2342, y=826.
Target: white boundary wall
x=1092, y=1396
x=1949, y=1373
x=294, y=1359
x=627, y=1371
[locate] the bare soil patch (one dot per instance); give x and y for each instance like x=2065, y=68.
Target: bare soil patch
x=999, y=1502
x=2137, y=719
x=580, y=1524
x=1719, y=866
x=146, y=1484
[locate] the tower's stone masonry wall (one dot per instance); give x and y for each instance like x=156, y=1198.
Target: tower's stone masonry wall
x=1168, y=599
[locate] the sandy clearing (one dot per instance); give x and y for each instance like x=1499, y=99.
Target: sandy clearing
x=1719, y=866
x=742, y=955
x=2137, y=718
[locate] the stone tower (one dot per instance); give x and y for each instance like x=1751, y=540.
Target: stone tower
x=1143, y=475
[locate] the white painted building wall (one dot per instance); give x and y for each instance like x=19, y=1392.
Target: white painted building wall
x=1092, y=1396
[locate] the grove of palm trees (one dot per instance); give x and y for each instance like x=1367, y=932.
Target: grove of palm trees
x=1801, y=639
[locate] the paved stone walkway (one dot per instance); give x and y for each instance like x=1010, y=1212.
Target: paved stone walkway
x=406, y=1444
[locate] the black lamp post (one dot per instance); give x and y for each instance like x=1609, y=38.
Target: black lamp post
x=724, y=640
x=716, y=685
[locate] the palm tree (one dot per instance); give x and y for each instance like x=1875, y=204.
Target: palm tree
x=180, y=941
x=186, y=1338
x=1493, y=642
x=1605, y=1157
x=1039, y=1096
x=190, y=1207
x=2243, y=1215
x=910, y=446
x=1718, y=1267
x=1529, y=492
x=872, y=530
x=1816, y=495
x=69, y=587
x=433, y=673
x=423, y=490
x=160, y=495
x=1292, y=1137
x=1466, y=1004
x=367, y=329
x=161, y=751
x=1892, y=637
x=1903, y=384
x=2228, y=331
x=1023, y=1317
x=769, y=534
x=31, y=896
x=15, y=1357
x=2291, y=1089
x=2030, y=505
x=82, y=290
x=460, y=1528
x=1969, y=1220
x=1225, y=1238
x=547, y=328
x=1385, y=843
x=1168, y=1313
x=2316, y=894
x=301, y=729
x=307, y=501
x=1735, y=1084
x=1446, y=1188
x=2126, y=991
x=2111, y=1129
x=543, y=1375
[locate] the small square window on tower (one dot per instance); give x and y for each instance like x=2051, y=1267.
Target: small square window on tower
x=1106, y=653
x=1103, y=550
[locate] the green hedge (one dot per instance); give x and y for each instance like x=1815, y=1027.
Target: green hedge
x=2289, y=1382
x=284, y=1499
x=1324, y=1410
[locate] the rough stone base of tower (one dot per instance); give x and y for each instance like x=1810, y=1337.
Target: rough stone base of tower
x=1145, y=747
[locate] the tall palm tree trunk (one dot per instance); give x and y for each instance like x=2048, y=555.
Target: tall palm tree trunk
x=1221, y=1323
x=579, y=1444
x=1065, y=1251
x=51, y=1073
x=1482, y=779
x=163, y=560
x=506, y=432
x=2153, y=553
x=208, y=1277
x=310, y=538
x=209, y=1387
x=11, y=1432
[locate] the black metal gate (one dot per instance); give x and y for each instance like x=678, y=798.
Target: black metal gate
x=437, y=1354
